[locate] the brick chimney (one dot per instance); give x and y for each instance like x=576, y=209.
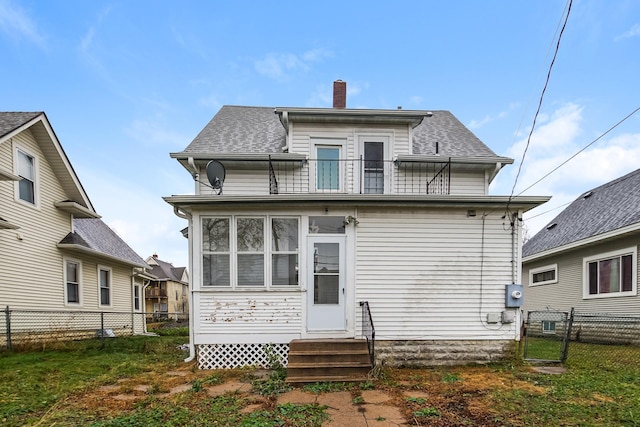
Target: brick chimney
x=339, y=94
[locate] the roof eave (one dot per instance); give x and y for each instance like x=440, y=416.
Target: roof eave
x=76, y=209
x=584, y=242
x=85, y=250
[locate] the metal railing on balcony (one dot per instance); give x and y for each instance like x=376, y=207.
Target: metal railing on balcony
x=359, y=176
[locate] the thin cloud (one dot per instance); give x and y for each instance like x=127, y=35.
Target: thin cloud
x=16, y=23
x=476, y=124
x=87, y=40
x=280, y=66
x=633, y=32
x=553, y=142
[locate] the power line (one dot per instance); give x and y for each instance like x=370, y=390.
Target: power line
x=535, y=117
x=581, y=150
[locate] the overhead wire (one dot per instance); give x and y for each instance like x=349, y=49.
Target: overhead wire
x=535, y=117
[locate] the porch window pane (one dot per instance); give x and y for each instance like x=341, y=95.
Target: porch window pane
x=284, y=232
x=250, y=234
x=215, y=270
x=328, y=168
x=250, y=270
x=325, y=290
x=284, y=269
x=215, y=234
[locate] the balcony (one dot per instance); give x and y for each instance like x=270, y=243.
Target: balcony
x=358, y=176
x=155, y=293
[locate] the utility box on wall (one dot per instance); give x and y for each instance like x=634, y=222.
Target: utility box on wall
x=513, y=296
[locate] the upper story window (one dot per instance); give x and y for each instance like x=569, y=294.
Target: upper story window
x=329, y=164
x=373, y=167
x=375, y=164
x=611, y=274
x=543, y=275
x=26, y=170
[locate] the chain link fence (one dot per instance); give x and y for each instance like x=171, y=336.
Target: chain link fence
x=556, y=336
x=21, y=328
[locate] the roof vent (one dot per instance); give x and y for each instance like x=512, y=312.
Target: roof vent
x=552, y=226
x=587, y=194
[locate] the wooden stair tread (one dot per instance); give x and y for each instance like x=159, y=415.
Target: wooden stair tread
x=327, y=352
x=327, y=378
x=366, y=364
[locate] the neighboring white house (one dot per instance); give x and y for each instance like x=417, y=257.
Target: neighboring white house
x=57, y=254
x=587, y=256
x=318, y=210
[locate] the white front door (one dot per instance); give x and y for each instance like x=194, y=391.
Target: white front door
x=326, y=290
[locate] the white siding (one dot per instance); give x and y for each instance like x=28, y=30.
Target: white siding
x=420, y=272
x=240, y=182
x=469, y=183
x=252, y=315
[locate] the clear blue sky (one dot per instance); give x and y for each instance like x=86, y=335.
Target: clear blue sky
x=124, y=83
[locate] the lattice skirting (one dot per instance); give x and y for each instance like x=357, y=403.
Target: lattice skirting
x=227, y=356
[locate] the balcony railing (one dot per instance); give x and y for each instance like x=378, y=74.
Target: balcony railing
x=155, y=293
x=358, y=176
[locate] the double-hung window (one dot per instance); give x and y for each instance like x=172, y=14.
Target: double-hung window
x=26, y=170
x=72, y=282
x=136, y=297
x=611, y=274
x=104, y=281
x=244, y=252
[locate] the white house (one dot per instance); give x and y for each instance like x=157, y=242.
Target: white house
x=307, y=213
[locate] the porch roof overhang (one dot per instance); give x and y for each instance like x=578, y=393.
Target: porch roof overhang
x=76, y=209
x=6, y=225
x=190, y=202
x=236, y=159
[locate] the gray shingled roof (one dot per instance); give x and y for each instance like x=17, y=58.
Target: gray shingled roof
x=166, y=271
x=96, y=235
x=250, y=130
x=241, y=130
x=609, y=207
x=10, y=121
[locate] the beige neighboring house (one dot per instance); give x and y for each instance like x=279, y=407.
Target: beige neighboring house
x=168, y=290
x=57, y=254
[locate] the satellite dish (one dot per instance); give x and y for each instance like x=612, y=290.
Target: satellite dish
x=215, y=175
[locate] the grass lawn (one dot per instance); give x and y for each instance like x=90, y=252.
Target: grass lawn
x=142, y=381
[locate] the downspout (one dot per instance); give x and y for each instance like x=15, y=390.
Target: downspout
x=192, y=348
x=195, y=174
x=514, y=226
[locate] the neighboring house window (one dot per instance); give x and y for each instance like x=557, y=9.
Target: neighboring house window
x=104, y=278
x=548, y=327
x=258, y=256
x=136, y=297
x=72, y=281
x=543, y=275
x=26, y=170
x=611, y=274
